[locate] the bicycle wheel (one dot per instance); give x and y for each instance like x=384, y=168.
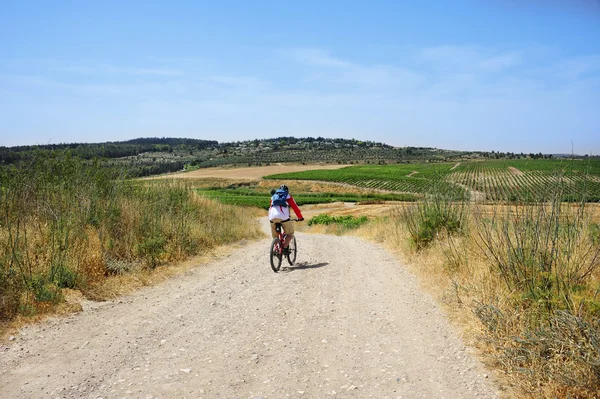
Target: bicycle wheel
x=291, y=257
x=275, y=254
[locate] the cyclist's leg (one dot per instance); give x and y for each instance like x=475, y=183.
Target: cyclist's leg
x=273, y=227
x=288, y=227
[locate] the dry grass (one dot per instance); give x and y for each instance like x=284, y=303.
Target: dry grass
x=219, y=224
x=515, y=171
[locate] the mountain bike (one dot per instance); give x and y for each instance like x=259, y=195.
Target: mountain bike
x=276, y=249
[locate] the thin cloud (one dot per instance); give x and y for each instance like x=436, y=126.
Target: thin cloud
x=317, y=57
x=579, y=67
x=336, y=70
x=501, y=62
x=234, y=81
x=469, y=59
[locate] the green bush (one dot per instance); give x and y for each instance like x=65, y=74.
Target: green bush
x=347, y=221
x=65, y=277
x=44, y=290
x=151, y=249
x=433, y=216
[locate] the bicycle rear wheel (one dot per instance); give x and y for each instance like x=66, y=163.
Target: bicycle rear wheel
x=291, y=256
x=275, y=254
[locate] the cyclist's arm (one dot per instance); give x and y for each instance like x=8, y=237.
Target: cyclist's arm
x=294, y=206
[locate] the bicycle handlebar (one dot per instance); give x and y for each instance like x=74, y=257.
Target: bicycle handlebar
x=291, y=220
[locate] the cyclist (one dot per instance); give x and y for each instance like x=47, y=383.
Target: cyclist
x=279, y=212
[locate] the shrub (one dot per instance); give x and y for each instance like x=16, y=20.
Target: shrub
x=435, y=215
x=347, y=221
x=543, y=251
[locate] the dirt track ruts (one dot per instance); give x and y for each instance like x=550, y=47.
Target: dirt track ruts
x=347, y=321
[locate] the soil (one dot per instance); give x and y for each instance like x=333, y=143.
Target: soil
x=346, y=321
x=515, y=171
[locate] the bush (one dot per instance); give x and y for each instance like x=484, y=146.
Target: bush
x=347, y=221
x=545, y=252
x=433, y=216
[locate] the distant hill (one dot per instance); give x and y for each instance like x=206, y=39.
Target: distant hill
x=153, y=155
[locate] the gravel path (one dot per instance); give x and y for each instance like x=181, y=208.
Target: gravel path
x=347, y=321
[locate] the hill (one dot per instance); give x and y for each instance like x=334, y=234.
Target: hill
x=150, y=156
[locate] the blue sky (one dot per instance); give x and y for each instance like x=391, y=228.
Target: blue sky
x=504, y=75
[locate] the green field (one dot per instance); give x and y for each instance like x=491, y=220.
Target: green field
x=253, y=196
x=494, y=180
x=407, y=178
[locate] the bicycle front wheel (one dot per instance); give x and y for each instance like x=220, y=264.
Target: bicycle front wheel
x=291, y=256
x=275, y=254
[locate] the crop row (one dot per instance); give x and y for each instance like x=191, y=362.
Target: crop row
x=501, y=181
x=518, y=180
x=259, y=199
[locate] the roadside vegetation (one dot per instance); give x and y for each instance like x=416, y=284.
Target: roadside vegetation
x=525, y=277
x=66, y=223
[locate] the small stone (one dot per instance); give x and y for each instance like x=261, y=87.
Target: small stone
x=185, y=370
x=352, y=387
x=11, y=338
x=324, y=340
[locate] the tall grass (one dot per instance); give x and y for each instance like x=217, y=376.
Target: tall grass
x=437, y=214
x=65, y=223
x=545, y=252
x=545, y=325
x=527, y=275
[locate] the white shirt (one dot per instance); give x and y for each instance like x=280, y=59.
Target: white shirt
x=280, y=212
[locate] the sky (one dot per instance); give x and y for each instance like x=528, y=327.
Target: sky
x=501, y=75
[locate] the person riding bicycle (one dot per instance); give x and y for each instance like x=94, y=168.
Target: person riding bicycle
x=279, y=212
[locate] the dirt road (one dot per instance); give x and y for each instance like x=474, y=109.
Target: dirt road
x=345, y=322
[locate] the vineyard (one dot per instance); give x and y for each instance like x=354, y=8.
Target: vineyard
x=531, y=180
x=405, y=178
x=494, y=180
